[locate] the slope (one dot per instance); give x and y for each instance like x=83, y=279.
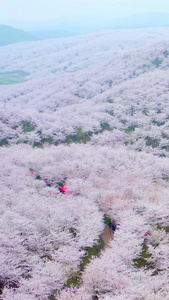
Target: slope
x=99, y=126
x=81, y=105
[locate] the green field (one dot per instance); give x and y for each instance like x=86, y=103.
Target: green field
x=12, y=77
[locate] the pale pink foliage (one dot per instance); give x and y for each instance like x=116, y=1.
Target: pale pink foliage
x=71, y=86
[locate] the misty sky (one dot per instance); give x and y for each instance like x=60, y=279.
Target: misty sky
x=31, y=12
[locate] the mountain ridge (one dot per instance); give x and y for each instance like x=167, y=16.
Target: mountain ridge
x=145, y=20
x=51, y=34
x=11, y=35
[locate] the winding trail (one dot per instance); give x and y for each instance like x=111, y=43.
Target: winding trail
x=107, y=236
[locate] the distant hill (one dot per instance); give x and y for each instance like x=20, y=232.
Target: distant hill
x=140, y=21
x=51, y=34
x=72, y=25
x=11, y=35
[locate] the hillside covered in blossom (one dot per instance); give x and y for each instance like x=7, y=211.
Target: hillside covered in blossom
x=84, y=144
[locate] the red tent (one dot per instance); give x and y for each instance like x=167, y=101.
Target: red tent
x=64, y=189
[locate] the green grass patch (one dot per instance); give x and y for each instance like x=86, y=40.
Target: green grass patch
x=131, y=128
x=105, y=126
x=79, y=137
x=79, y=96
x=145, y=111
x=132, y=111
x=123, y=121
x=12, y=77
x=152, y=142
x=75, y=280
x=110, y=100
x=166, y=53
x=157, y=62
x=90, y=252
x=165, y=178
x=28, y=126
x=110, y=112
x=141, y=261
x=163, y=226
x=158, y=123
x=38, y=145
x=43, y=140
x=4, y=142
x=73, y=232
x=48, y=140
x=110, y=222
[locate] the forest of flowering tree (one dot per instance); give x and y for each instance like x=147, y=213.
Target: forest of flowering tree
x=84, y=155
